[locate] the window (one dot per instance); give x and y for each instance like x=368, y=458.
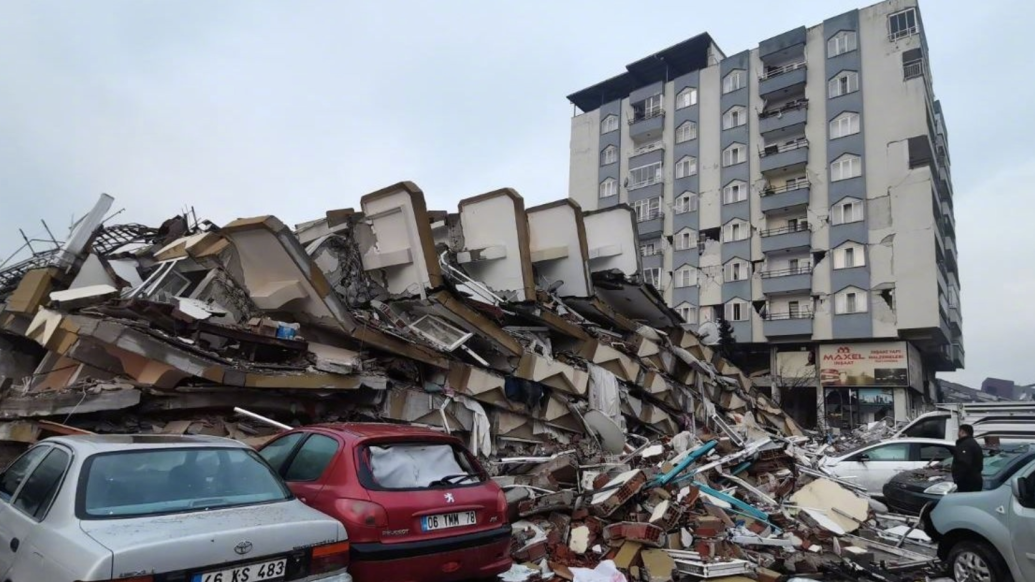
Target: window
x=686, y=239
x=648, y=108
x=17, y=471
x=735, y=117
x=931, y=428
x=609, y=155
x=735, y=191
x=849, y=255
x=41, y=487
x=609, y=124
x=686, y=167
x=847, y=211
x=687, y=202
x=845, y=124
x=734, y=81
x=895, y=452
x=737, y=310
x=645, y=175
x=312, y=459
x=686, y=276
x=417, y=465
x=608, y=188
x=733, y=155
x=845, y=167
x=652, y=277
x=650, y=248
x=794, y=309
x=279, y=450
x=686, y=132
x=934, y=453
x=850, y=300
x=648, y=209
x=735, y=230
x=736, y=270
x=844, y=83
x=687, y=312
x=902, y=24
x=843, y=42
x=686, y=98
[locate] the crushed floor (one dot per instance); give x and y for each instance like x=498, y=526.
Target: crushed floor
x=628, y=448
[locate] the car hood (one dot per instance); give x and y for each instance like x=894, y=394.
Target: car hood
x=198, y=540
x=921, y=479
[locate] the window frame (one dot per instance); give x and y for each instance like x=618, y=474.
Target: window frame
x=690, y=128
x=728, y=157
x=849, y=39
x=691, y=312
x=691, y=93
x=837, y=167
x=606, y=123
x=851, y=80
x=860, y=301
x=735, y=80
x=42, y=450
x=735, y=225
x=654, y=177
x=686, y=202
x=611, y=184
x=850, y=119
x=43, y=509
x=908, y=29
x=686, y=276
x=838, y=215
x=734, y=192
x=858, y=253
x=686, y=167
x=734, y=117
x=736, y=310
x=736, y=270
x=654, y=245
x=690, y=235
x=652, y=206
x=609, y=155
x=655, y=277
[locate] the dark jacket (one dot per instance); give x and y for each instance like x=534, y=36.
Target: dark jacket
x=967, y=462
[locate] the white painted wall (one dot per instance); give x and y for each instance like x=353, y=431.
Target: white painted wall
x=489, y=224
x=557, y=228
x=394, y=225
x=585, y=159
x=816, y=133
x=611, y=236
x=708, y=131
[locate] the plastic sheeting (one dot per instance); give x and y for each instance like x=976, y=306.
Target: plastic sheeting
x=412, y=466
x=604, y=394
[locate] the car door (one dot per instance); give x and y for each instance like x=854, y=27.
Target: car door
x=12, y=529
x=1022, y=521
x=37, y=551
x=874, y=466
x=301, y=459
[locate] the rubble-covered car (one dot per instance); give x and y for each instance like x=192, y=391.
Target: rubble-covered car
x=988, y=536
x=910, y=491
x=147, y=508
x=872, y=465
x=417, y=504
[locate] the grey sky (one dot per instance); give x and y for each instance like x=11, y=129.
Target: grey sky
x=242, y=108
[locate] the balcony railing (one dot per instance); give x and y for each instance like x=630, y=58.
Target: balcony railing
x=799, y=314
x=788, y=187
x=913, y=69
x=799, y=270
x=909, y=31
x=643, y=149
x=637, y=116
x=789, y=106
x=771, y=72
x=800, y=227
x=772, y=150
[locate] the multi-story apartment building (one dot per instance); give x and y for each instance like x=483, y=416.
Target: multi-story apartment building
x=802, y=191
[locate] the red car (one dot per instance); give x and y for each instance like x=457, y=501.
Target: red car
x=416, y=504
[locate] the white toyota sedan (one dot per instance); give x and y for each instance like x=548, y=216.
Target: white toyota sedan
x=873, y=465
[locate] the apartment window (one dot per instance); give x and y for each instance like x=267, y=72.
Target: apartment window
x=735, y=117
x=685, y=240
x=645, y=175
x=648, y=209
x=609, y=124
x=735, y=230
x=794, y=309
x=737, y=310
x=686, y=167
x=734, y=81
x=609, y=155
x=686, y=98
x=845, y=167
x=847, y=211
x=733, y=155
x=902, y=24
x=845, y=124
x=608, y=188
x=736, y=270
x=650, y=248
x=851, y=300
x=687, y=312
x=843, y=42
x=652, y=277
x=849, y=255
x=686, y=132
x=648, y=108
x=735, y=191
x=686, y=276
x=844, y=83
x=686, y=202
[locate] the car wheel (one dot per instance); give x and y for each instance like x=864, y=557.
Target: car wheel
x=976, y=561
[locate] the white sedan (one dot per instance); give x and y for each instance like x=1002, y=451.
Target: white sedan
x=873, y=465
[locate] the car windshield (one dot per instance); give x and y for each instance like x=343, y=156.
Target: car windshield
x=138, y=483
x=996, y=460
x=418, y=466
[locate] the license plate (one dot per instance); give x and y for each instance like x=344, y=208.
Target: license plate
x=447, y=520
x=273, y=570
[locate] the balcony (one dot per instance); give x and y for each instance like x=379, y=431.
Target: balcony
x=647, y=126
x=951, y=259
x=949, y=224
x=959, y=356
x=955, y=319
x=785, y=78
x=787, y=280
x=787, y=238
x=787, y=118
x=654, y=146
x=793, y=323
x=787, y=196
x=913, y=69
x=789, y=155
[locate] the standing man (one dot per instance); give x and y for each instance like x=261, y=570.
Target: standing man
x=967, y=462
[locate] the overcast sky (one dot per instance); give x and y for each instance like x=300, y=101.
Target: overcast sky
x=242, y=108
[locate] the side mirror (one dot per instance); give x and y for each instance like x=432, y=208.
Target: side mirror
x=1024, y=490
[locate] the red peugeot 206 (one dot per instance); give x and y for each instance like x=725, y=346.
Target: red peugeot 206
x=417, y=505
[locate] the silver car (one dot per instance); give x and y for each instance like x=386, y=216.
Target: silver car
x=146, y=508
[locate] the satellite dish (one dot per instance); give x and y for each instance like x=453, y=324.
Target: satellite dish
x=611, y=436
x=709, y=333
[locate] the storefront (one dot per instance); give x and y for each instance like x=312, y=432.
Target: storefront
x=863, y=383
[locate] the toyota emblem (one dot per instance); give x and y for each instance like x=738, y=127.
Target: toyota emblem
x=449, y=498
x=243, y=548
